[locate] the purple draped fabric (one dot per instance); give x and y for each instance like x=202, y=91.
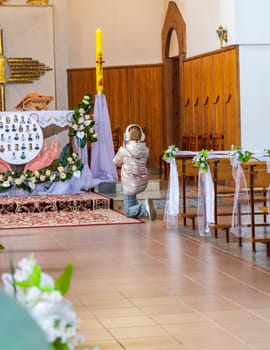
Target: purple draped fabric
x=102, y=151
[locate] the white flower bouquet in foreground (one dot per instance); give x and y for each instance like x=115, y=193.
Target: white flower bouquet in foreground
x=44, y=298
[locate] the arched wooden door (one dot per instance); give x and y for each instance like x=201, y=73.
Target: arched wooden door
x=173, y=75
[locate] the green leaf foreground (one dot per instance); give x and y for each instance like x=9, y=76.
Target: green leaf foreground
x=62, y=283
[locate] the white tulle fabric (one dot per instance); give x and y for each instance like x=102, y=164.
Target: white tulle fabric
x=206, y=199
x=241, y=200
x=172, y=202
x=265, y=158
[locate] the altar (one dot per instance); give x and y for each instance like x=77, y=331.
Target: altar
x=31, y=164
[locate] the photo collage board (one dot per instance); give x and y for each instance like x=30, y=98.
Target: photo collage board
x=21, y=138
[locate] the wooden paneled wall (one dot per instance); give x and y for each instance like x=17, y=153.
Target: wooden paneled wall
x=133, y=94
x=211, y=95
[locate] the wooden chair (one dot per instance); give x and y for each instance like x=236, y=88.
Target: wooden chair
x=116, y=139
x=186, y=171
x=217, y=142
x=205, y=141
x=193, y=142
x=258, y=180
x=224, y=185
x=185, y=142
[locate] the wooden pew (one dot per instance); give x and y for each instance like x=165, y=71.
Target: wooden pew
x=224, y=186
x=258, y=180
x=186, y=170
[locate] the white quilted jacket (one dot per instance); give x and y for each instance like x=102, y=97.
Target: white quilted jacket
x=132, y=159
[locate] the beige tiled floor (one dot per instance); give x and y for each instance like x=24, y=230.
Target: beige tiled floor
x=143, y=287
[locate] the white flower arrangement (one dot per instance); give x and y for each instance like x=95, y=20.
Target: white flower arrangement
x=60, y=171
x=82, y=123
x=200, y=160
x=240, y=154
x=170, y=152
x=44, y=298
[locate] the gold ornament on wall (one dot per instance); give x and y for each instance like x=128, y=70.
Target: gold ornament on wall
x=222, y=34
x=37, y=2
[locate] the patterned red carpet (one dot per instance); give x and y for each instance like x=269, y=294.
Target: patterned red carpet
x=64, y=218
x=59, y=210
x=70, y=202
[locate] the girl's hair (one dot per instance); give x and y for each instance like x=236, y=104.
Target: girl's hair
x=135, y=133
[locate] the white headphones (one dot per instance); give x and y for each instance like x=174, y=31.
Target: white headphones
x=127, y=134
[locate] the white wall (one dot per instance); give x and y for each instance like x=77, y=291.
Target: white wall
x=31, y=37
x=131, y=31
x=227, y=19
x=255, y=111
x=202, y=18
x=253, y=37
x=61, y=34
x=252, y=21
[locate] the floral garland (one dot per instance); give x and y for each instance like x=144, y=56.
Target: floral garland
x=61, y=170
x=241, y=155
x=44, y=299
x=82, y=123
x=200, y=160
x=170, y=152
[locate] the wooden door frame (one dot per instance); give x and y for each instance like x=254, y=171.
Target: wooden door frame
x=173, y=22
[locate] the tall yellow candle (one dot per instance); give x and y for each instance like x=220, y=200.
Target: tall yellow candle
x=99, y=62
